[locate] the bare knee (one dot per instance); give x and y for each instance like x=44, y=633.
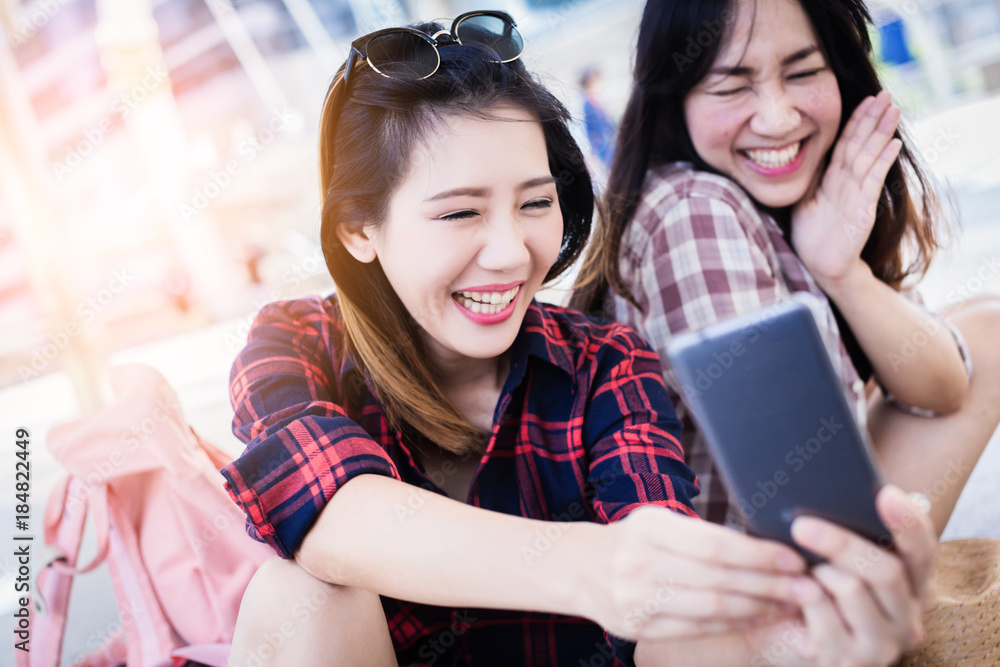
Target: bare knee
x=279, y=582
x=287, y=613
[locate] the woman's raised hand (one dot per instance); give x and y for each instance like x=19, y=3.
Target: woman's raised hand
x=663, y=575
x=832, y=223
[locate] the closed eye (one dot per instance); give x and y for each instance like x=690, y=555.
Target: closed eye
x=806, y=75
x=459, y=215
x=731, y=91
x=538, y=204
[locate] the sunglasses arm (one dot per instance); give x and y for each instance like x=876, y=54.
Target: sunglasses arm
x=355, y=53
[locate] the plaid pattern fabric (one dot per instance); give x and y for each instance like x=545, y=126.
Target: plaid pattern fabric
x=698, y=252
x=584, y=431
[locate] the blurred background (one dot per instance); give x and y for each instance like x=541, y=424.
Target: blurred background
x=158, y=182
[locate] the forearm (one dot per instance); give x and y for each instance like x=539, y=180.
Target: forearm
x=914, y=357
x=405, y=542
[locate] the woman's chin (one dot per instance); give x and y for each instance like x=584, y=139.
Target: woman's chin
x=778, y=196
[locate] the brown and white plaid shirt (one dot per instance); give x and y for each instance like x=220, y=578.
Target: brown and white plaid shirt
x=698, y=251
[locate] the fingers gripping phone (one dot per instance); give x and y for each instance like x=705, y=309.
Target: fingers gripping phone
x=764, y=393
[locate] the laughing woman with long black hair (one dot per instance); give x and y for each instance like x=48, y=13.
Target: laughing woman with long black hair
x=758, y=157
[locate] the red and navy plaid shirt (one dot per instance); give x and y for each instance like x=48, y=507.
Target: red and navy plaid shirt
x=583, y=431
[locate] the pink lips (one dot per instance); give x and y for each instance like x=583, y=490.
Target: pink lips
x=779, y=171
x=490, y=318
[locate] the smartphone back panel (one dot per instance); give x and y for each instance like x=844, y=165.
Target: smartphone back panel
x=763, y=391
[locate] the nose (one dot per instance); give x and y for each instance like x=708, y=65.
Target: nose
x=776, y=113
x=504, y=249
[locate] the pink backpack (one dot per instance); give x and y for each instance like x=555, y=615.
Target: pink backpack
x=177, y=550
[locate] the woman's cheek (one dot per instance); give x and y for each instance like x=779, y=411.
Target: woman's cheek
x=713, y=130
x=824, y=105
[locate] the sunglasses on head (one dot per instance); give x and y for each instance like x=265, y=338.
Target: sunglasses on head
x=406, y=53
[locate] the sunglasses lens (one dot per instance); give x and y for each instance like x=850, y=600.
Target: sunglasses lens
x=494, y=32
x=402, y=55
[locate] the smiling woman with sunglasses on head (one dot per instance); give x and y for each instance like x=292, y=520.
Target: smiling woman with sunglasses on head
x=452, y=472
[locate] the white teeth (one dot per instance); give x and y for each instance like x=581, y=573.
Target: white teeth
x=488, y=303
x=773, y=159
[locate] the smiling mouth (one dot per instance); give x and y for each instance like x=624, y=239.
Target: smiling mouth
x=774, y=159
x=487, y=303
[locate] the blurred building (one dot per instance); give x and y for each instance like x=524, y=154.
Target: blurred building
x=939, y=53
x=175, y=159
x=157, y=157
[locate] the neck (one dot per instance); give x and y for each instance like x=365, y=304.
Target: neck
x=456, y=371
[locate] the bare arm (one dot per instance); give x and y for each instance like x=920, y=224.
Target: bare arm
x=450, y=554
x=385, y=535
x=915, y=357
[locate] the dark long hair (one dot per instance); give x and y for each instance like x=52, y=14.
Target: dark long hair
x=367, y=136
x=653, y=132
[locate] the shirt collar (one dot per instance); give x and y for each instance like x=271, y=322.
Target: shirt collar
x=541, y=337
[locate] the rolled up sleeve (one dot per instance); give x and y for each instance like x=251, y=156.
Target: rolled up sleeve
x=633, y=435
x=301, y=445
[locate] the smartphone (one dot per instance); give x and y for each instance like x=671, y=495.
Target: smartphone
x=763, y=391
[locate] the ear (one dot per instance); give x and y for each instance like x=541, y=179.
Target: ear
x=357, y=241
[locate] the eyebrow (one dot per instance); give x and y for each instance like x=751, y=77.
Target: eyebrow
x=482, y=192
x=741, y=70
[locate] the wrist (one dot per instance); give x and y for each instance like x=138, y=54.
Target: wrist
x=853, y=281
x=575, y=571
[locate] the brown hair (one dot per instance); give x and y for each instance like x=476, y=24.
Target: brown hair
x=653, y=132
x=367, y=135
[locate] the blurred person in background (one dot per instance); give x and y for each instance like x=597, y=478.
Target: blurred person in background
x=600, y=127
